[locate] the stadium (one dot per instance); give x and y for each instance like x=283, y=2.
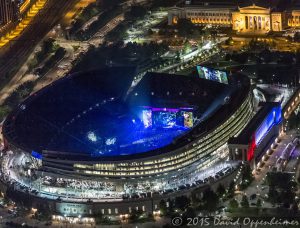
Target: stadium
x=104, y=136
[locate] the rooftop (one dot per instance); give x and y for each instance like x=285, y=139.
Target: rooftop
x=86, y=115
x=279, y=5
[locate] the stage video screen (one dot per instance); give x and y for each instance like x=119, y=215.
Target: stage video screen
x=167, y=118
x=164, y=119
x=212, y=74
x=188, y=119
x=147, y=118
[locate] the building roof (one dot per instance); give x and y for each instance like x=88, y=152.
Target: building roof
x=170, y=90
x=279, y=5
x=246, y=135
x=91, y=113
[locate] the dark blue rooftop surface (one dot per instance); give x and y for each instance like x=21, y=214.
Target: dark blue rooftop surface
x=92, y=113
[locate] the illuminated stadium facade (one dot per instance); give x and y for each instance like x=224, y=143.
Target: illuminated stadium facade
x=94, y=137
x=258, y=135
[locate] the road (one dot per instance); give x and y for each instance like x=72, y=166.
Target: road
x=13, y=56
x=258, y=186
x=68, y=17
x=98, y=38
x=64, y=65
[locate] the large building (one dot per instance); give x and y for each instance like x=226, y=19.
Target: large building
x=93, y=137
x=9, y=11
x=250, y=145
x=243, y=17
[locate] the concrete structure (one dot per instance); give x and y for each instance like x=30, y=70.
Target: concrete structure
x=250, y=19
x=294, y=19
x=214, y=14
x=258, y=135
x=255, y=19
x=118, y=183
x=117, y=208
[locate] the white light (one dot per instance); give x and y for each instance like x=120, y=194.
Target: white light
x=91, y=136
x=110, y=141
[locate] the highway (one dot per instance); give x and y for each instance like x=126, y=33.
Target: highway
x=13, y=55
x=64, y=65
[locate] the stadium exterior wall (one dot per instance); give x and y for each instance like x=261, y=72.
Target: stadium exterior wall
x=113, y=208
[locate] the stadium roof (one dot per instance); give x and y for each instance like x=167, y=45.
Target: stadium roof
x=66, y=117
x=170, y=90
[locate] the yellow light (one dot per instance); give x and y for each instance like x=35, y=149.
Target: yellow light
x=23, y=24
x=24, y=6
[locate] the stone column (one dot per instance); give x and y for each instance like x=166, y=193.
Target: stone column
x=256, y=23
x=248, y=22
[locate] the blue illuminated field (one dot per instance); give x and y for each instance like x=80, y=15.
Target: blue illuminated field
x=107, y=131
x=93, y=113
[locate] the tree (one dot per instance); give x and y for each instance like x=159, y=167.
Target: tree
x=231, y=189
x=136, y=12
x=6, y=200
x=177, y=55
x=195, y=199
x=233, y=204
x=245, y=202
x=258, y=203
x=187, y=47
x=135, y=214
x=266, y=55
x=163, y=207
x=229, y=41
x=190, y=213
x=171, y=205
x=98, y=217
x=107, y=4
x=185, y=27
x=281, y=187
x=210, y=200
x=294, y=121
x=48, y=45
x=150, y=32
x=117, y=33
x=273, y=195
x=295, y=208
x=4, y=110
x=247, y=176
x=221, y=190
x=182, y=202
x=297, y=37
